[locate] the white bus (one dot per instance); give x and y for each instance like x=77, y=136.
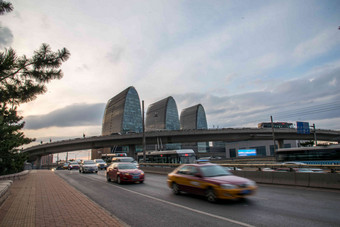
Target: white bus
x=170, y=156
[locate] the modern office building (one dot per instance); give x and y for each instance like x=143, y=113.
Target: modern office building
x=123, y=113
x=194, y=118
x=163, y=115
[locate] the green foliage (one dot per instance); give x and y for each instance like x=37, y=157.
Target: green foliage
x=21, y=80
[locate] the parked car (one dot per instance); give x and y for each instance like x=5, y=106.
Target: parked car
x=100, y=163
x=124, y=172
x=73, y=165
x=88, y=166
x=210, y=180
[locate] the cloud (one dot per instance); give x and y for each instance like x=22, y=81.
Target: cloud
x=6, y=37
x=314, y=99
x=318, y=45
x=73, y=115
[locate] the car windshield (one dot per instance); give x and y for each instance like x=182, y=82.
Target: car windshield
x=99, y=160
x=214, y=171
x=89, y=162
x=127, y=166
x=74, y=163
x=128, y=159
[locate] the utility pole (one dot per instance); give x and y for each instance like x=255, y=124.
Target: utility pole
x=315, y=141
x=271, y=120
x=144, y=142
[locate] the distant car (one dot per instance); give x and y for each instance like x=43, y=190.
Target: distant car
x=124, y=172
x=100, y=163
x=88, y=166
x=65, y=166
x=73, y=165
x=125, y=159
x=296, y=170
x=210, y=180
x=294, y=163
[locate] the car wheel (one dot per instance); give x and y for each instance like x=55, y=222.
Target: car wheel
x=141, y=182
x=210, y=195
x=79, y=171
x=175, y=189
x=118, y=180
x=108, y=178
x=96, y=171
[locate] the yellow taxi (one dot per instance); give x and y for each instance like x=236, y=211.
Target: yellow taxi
x=210, y=180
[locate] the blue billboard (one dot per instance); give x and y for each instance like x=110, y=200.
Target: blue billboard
x=302, y=127
x=246, y=152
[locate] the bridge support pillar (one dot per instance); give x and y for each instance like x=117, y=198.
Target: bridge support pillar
x=132, y=151
x=37, y=163
x=280, y=143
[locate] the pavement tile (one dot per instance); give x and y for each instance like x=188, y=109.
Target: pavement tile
x=44, y=199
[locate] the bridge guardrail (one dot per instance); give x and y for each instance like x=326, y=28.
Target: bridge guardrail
x=332, y=168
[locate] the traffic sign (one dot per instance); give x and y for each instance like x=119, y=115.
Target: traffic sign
x=302, y=127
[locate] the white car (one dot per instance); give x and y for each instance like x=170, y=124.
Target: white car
x=88, y=166
x=100, y=163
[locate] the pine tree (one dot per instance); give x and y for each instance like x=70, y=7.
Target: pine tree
x=21, y=80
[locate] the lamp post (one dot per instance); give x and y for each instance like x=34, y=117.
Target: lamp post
x=144, y=142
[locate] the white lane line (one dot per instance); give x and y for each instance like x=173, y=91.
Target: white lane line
x=181, y=206
x=188, y=208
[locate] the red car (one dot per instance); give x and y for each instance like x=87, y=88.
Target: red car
x=124, y=172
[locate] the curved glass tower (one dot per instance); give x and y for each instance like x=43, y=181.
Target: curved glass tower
x=194, y=118
x=123, y=113
x=162, y=115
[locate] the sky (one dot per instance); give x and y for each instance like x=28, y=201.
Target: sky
x=244, y=61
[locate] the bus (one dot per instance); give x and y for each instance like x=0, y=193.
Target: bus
x=170, y=156
x=319, y=155
x=275, y=125
x=108, y=157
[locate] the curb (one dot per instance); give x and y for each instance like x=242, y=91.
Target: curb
x=4, y=190
x=6, y=181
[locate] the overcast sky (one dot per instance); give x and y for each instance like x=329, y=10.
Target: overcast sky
x=242, y=60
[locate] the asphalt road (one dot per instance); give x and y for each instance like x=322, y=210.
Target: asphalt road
x=153, y=204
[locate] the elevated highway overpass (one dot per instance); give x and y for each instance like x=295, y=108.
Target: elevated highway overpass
x=179, y=136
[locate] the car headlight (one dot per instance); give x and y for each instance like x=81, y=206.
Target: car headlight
x=97, y=164
x=126, y=174
x=228, y=186
x=142, y=173
x=251, y=183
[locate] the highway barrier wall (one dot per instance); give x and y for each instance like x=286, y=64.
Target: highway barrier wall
x=315, y=180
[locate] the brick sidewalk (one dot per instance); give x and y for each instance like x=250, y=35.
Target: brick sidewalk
x=44, y=199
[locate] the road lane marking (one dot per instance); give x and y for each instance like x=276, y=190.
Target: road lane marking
x=188, y=208
x=181, y=206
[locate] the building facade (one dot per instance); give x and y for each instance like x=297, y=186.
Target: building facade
x=162, y=115
x=194, y=118
x=123, y=113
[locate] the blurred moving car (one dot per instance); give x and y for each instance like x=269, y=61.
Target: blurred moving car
x=73, y=165
x=100, y=163
x=65, y=166
x=296, y=170
x=125, y=159
x=210, y=180
x=124, y=172
x=88, y=166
